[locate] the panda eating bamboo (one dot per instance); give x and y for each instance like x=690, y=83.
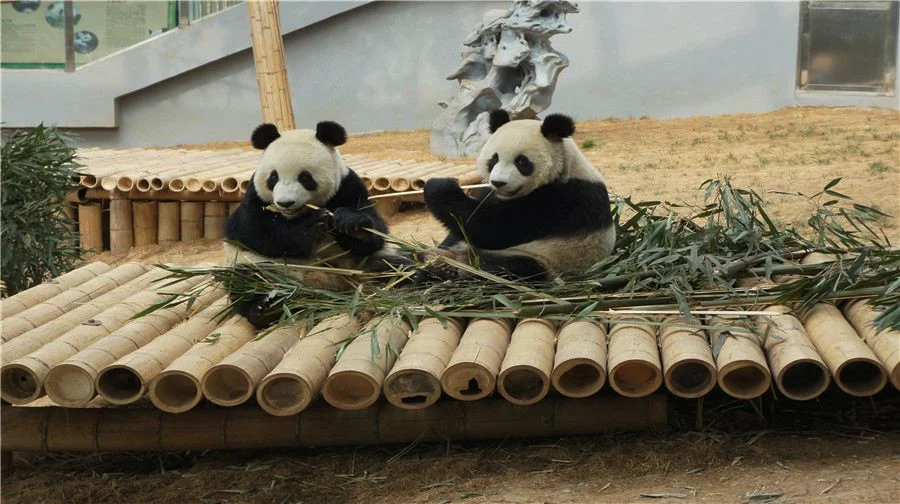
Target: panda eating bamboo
x=547, y=212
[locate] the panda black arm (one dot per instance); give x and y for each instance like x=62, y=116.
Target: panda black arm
x=352, y=211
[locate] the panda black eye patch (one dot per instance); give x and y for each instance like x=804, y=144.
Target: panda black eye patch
x=272, y=180
x=524, y=165
x=491, y=162
x=307, y=180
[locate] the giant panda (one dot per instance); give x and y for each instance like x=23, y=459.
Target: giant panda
x=304, y=205
x=547, y=212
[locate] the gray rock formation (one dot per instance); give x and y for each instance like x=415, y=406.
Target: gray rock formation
x=507, y=62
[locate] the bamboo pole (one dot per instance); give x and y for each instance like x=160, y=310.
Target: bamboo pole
x=191, y=221
x=90, y=227
x=232, y=207
x=72, y=382
x=740, y=361
x=91, y=195
x=885, y=344
x=415, y=380
x=268, y=57
x=853, y=365
x=70, y=299
x=214, y=213
x=146, y=222
x=23, y=379
x=635, y=369
x=472, y=372
x=169, y=228
x=126, y=380
x=356, y=380
x=688, y=367
x=233, y=380
x=42, y=292
x=296, y=381
x=525, y=371
x=799, y=371
x=579, y=367
x=145, y=429
x=177, y=388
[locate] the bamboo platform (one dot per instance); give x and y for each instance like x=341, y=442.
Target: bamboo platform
x=134, y=197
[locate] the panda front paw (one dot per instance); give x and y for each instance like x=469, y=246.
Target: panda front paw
x=348, y=220
x=442, y=189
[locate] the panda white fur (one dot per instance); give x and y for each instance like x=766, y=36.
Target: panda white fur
x=547, y=212
x=299, y=168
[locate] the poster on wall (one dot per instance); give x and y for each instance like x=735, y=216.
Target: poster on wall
x=34, y=30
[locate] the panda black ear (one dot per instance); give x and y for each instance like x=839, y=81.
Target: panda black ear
x=263, y=135
x=331, y=133
x=557, y=126
x=498, y=118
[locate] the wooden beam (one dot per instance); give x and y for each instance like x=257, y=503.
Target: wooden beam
x=268, y=56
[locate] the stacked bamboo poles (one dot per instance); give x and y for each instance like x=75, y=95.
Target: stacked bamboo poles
x=44, y=291
x=688, y=367
x=233, y=380
x=191, y=221
x=853, y=365
x=121, y=225
x=579, y=367
x=799, y=371
x=214, y=213
x=885, y=344
x=24, y=378
x=525, y=371
x=296, y=381
x=127, y=380
x=742, y=371
x=268, y=56
x=634, y=365
x=90, y=226
x=169, y=224
x=177, y=388
x=472, y=372
x=72, y=382
x=357, y=378
x=415, y=380
x=41, y=313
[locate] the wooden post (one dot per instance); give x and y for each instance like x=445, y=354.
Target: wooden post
x=268, y=56
x=90, y=227
x=121, y=225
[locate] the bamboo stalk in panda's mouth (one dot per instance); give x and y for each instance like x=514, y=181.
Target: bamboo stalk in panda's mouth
x=409, y=193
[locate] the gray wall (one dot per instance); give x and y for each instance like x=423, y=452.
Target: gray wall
x=382, y=66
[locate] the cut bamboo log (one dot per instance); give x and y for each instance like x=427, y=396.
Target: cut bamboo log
x=297, y=379
x=740, y=360
x=472, y=372
x=42, y=292
x=90, y=227
x=799, y=371
x=126, y=380
x=579, y=367
x=885, y=344
x=23, y=379
x=121, y=226
x=214, y=213
x=169, y=222
x=70, y=299
x=853, y=365
x=688, y=367
x=525, y=371
x=146, y=222
x=233, y=380
x=177, y=388
x=356, y=380
x=46, y=333
x=191, y=221
x=268, y=57
x=634, y=364
x=415, y=380
x=72, y=382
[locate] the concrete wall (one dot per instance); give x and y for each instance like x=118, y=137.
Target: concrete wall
x=382, y=66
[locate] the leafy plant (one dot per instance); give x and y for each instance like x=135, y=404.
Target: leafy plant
x=587, y=144
x=38, y=171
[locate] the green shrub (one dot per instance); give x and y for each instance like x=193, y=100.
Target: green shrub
x=37, y=171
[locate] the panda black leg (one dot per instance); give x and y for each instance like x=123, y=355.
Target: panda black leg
x=520, y=267
x=257, y=312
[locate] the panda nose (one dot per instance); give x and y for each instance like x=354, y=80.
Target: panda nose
x=285, y=203
x=498, y=183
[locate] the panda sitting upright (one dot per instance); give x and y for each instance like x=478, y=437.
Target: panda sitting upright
x=547, y=212
x=304, y=205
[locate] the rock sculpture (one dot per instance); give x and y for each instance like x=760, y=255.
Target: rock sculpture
x=507, y=62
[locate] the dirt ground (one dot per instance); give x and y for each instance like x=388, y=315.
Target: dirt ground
x=800, y=453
